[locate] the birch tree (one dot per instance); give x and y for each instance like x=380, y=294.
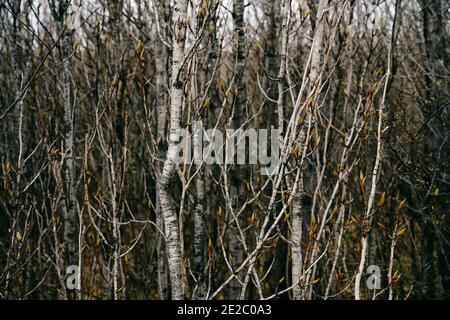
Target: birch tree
x=100, y=169
x=167, y=174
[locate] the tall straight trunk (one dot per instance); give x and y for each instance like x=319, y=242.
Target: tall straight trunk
x=437, y=67
x=161, y=77
x=165, y=189
x=274, y=21
x=200, y=86
x=16, y=121
x=199, y=228
x=298, y=206
x=282, y=18
x=161, y=116
x=70, y=222
x=236, y=251
x=296, y=239
x=284, y=35
x=71, y=215
x=367, y=219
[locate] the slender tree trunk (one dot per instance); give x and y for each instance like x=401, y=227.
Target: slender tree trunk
x=165, y=190
x=199, y=213
x=70, y=223
x=437, y=66
x=17, y=119
x=367, y=219
x=68, y=167
x=298, y=206
x=274, y=21
x=236, y=189
x=296, y=239
x=161, y=140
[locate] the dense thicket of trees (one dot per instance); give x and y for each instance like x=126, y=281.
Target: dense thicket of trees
x=92, y=100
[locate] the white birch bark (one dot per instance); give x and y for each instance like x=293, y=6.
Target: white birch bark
x=70, y=222
x=161, y=140
x=199, y=234
x=297, y=206
x=168, y=208
x=367, y=221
